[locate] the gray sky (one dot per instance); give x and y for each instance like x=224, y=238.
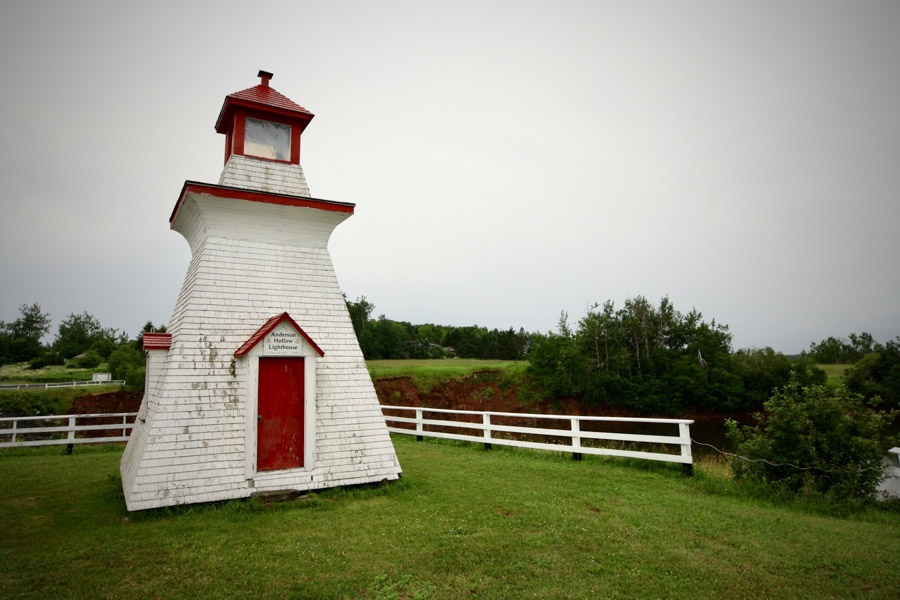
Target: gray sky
x=508, y=160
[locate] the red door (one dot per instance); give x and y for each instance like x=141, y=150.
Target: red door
x=279, y=432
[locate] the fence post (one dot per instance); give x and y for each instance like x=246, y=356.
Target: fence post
x=576, y=439
x=419, y=431
x=684, y=432
x=486, y=419
x=71, y=435
x=124, y=423
x=14, y=431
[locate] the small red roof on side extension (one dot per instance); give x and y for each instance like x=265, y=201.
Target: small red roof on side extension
x=156, y=341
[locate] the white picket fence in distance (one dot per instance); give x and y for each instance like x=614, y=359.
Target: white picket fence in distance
x=14, y=429
x=488, y=423
x=62, y=384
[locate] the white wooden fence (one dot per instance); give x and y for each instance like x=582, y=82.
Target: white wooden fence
x=12, y=431
x=47, y=386
x=489, y=425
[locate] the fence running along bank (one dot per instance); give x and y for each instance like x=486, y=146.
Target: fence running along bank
x=16, y=432
x=30, y=431
x=48, y=386
x=492, y=423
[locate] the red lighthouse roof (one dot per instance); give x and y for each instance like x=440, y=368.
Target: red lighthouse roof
x=260, y=97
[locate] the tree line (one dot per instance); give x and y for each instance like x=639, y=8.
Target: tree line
x=836, y=350
x=650, y=358
x=81, y=342
x=656, y=359
x=383, y=338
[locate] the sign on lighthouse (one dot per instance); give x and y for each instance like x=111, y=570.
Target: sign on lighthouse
x=259, y=384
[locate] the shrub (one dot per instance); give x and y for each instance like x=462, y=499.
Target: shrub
x=806, y=373
x=88, y=360
x=45, y=360
x=128, y=363
x=104, y=346
x=833, y=439
x=877, y=374
x=28, y=403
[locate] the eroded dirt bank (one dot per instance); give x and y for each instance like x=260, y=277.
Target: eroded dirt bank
x=479, y=392
x=109, y=402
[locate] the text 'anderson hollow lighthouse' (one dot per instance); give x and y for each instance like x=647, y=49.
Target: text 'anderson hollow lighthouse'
x=260, y=384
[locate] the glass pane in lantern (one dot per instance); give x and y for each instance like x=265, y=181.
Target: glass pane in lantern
x=267, y=140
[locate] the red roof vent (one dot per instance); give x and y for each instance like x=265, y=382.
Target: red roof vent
x=264, y=77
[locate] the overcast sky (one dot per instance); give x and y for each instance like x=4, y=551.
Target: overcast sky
x=508, y=160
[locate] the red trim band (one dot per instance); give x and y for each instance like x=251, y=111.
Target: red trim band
x=221, y=191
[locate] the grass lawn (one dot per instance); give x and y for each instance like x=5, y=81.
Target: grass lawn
x=462, y=523
x=427, y=373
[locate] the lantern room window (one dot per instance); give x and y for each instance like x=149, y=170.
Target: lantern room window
x=266, y=139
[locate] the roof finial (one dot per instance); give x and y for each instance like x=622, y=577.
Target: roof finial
x=264, y=77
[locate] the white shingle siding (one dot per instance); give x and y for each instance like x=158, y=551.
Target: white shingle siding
x=264, y=176
x=194, y=437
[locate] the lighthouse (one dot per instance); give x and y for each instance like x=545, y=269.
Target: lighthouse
x=259, y=385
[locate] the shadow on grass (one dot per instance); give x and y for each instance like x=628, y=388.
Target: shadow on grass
x=246, y=507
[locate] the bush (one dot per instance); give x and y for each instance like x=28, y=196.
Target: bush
x=877, y=374
x=128, y=363
x=831, y=434
x=45, y=360
x=104, y=346
x=88, y=360
x=806, y=373
x=29, y=403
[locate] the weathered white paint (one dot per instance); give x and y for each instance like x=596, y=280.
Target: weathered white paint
x=264, y=176
x=194, y=440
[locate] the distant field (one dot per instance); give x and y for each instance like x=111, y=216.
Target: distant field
x=461, y=523
x=835, y=373
x=429, y=372
x=20, y=373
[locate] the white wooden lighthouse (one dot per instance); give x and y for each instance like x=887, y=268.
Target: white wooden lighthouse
x=259, y=384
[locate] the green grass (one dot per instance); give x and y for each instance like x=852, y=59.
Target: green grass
x=427, y=373
x=835, y=373
x=20, y=373
x=462, y=523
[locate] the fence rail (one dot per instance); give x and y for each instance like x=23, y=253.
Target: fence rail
x=47, y=386
x=424, y=427
x=48, y=435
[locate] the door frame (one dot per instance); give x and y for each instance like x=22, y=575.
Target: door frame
x=251, y=363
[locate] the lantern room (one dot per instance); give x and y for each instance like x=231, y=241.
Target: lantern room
x=261, y=123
